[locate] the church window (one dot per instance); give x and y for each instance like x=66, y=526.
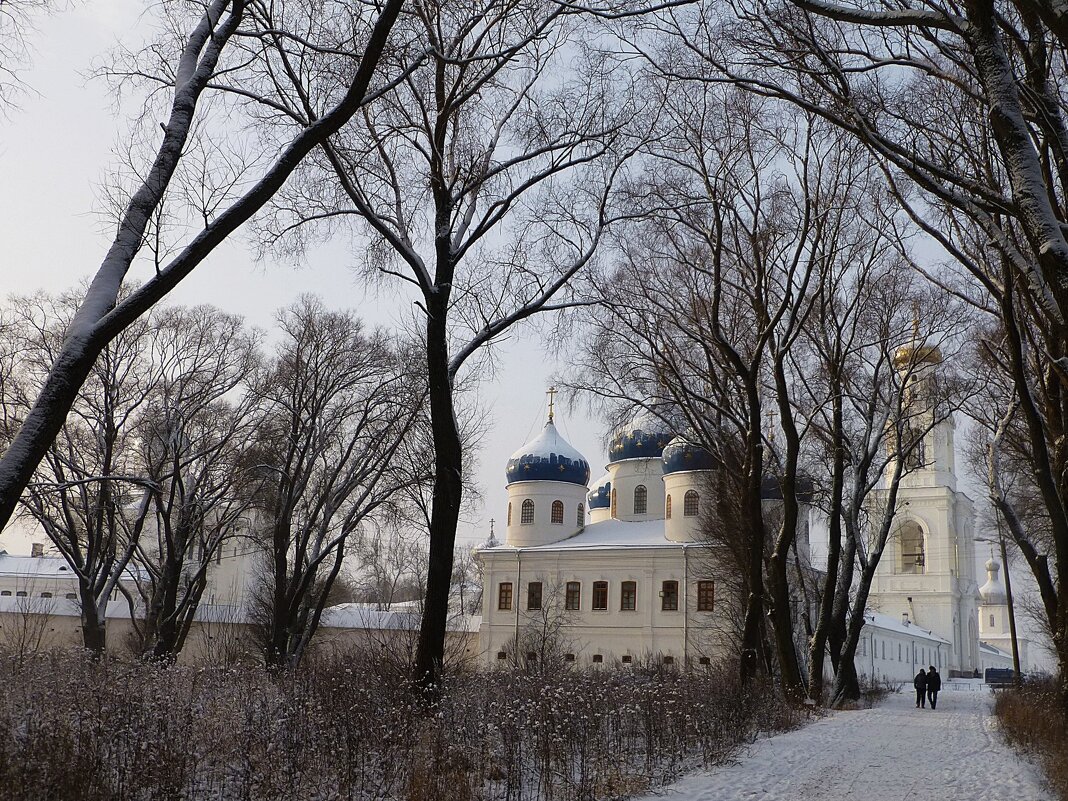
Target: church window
x=580, y=519
x=691, y=504
x=667, y=507
x=509, y=513
x=916, y=456
x=557, y=517
x=600, y=595
x=641, y=499
x=628, y=596
x=706, y=596
x=862, y=648
x=613, y=503
x=911, y=558
x=669, y=596
x=534, y=595
x=527, y=516
x=573, y=596
x=991, y=621
x=504, y=596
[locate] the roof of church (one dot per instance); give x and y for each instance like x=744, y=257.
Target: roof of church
x=644, y=437
x=548, y=457
x=890, y=623
x=609, y=534
x=600, y=496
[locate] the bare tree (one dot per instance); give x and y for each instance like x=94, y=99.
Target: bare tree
x=980, y=165
x=335, y=403
x=193, y=435
x=192, y=64
x=24, y=631
x=88, y=494
x=483, y=182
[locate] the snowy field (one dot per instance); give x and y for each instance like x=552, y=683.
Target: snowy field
x=894, y=752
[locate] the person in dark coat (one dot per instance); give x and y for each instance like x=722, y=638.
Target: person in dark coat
x=920, y=683
x=934, y=684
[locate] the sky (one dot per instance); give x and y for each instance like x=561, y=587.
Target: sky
x=56, y=150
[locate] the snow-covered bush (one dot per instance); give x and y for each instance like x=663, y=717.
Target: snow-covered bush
x=341, y=729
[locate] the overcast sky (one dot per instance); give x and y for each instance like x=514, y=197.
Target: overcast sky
x=56, y=150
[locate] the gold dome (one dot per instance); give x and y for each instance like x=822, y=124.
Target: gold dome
x=917, y=354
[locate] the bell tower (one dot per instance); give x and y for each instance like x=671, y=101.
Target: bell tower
x=928, y=567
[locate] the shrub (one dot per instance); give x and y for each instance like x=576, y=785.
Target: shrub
x=1034, y=721
x=341, y=729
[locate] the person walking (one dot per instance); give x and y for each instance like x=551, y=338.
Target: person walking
x=920, y=683
x=934, y=684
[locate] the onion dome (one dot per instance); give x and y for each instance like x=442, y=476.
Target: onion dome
x=548, y=457
x=993, y=592
x=916, y=355
x=644, y=437
x=601, y=496
x=681, y=456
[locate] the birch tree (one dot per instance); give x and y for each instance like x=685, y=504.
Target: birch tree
x=188, y=66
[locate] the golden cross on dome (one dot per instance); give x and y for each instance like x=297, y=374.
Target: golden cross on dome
x=551, y=392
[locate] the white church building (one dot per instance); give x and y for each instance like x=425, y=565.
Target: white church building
x=619, y=573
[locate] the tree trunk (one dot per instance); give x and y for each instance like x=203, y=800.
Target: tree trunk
x=448, y=493
x=94, y=627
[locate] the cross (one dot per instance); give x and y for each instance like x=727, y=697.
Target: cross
x=492, y=521
x=551, y=392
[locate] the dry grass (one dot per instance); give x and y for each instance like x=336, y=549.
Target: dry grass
x=1035, y=722
x=349, y=729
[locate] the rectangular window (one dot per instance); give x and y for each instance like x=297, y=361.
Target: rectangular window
x=899, y=652
x=573, y=598
x=627, y=659
x=600, y=595
x=706, y=596
x=534, y=595
x=597, y=659
x=504, y=596
x=669, y=596
x=628, y=596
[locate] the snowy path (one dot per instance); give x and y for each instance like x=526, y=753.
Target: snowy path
x=894, y=752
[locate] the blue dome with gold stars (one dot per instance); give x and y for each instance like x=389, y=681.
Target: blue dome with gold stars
x=601, y=495
x=681, y=456
x=644, y=437
x=548, y=457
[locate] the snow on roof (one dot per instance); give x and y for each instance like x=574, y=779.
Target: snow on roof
x=993, y=649
x=34, y=566
x=889, y=623
x=605, y=535
x=42, y=567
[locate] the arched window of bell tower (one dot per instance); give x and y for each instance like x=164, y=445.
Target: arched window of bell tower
x=911, y=555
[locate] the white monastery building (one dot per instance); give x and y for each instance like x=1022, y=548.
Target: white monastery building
x=619, y=573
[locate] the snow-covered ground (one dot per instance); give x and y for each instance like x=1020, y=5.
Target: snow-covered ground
x=894, y=752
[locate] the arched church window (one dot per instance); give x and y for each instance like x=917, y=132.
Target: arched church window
x=916, y=456
x=667, y=507
x=641, y=499
x=691, y=504
x=911, y=556
x=991, y=621
x=526, y=517
x=580, y=519
x=557, y=517
x=613, y=502
x=509, y=513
